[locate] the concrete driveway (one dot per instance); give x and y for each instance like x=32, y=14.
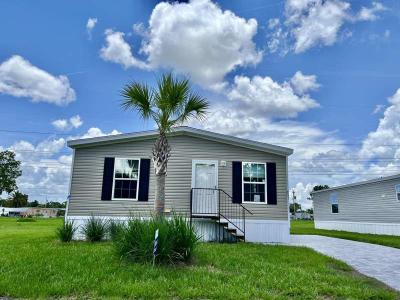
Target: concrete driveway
x=380, y=262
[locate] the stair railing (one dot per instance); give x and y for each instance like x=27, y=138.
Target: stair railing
x=218, y=204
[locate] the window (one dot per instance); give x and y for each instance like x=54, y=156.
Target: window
x=254, y=175
x=334, y=203
x=126, y=178
x=398, y=191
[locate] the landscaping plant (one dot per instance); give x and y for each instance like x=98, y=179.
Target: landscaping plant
x=115, y=228
x=176, y=243
x=66, y=231
x=95, y=229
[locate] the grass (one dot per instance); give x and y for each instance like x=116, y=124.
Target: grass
x=307, y=227
x=33, y=264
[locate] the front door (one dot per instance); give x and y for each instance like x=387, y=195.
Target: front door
x=205, y=183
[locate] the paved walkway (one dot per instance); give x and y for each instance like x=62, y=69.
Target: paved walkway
x=380, y=262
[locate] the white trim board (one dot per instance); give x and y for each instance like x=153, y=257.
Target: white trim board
x=360, y=227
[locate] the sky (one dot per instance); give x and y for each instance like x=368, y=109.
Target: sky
x=321, y=77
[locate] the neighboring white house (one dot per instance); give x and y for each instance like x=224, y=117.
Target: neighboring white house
x=371, y=206
x=29, y=211
x=13, y=211
x=225, y=185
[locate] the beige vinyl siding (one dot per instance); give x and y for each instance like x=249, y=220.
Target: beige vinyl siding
x=372, y=203
x=88, y=172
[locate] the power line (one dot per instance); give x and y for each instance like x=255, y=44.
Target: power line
x=33, y=132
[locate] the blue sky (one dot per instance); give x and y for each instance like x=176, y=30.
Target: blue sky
x=60, y=77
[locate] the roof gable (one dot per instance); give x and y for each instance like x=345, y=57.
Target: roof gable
x=375, y=180
x=182, y=130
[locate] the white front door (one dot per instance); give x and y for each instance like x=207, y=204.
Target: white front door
x=205, y=183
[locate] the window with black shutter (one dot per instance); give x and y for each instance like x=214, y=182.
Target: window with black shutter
x=126, y=178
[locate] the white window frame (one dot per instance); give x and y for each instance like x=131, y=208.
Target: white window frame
x=265, y=183
x=397, y=186
x=138, y=179
x=330, y=202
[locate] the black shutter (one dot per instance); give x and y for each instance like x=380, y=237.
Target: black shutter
x=271, y=183
x=237, y=182
x=144, y=179
x=108, y=175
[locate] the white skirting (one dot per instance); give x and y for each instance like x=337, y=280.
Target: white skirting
x=257, y=231
x=360, y=227
x=267, y=231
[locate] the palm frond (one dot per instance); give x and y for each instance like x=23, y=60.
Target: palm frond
x=138, y=97
x=170, y=104
x=195, y=107
x=171, y=94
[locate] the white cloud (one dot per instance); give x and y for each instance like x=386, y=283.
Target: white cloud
x=273, y=23
x=65, y=125
x=198, y=39
x=46, y=166
x=76, y=121
x=302, y=192
x=370, y=13
x=19, y=78
x=95, y=132
x=118, y=51
x=302, y=84
x=91, y=23
x=378, y=108
x=61, y=124
x=315, y=22
x=263, y=96
x=310, y=23
x=277, y=38
x=385, y=140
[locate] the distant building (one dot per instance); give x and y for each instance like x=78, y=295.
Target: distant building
x=13, y=211
x=41, y=212
x=303, y=215
x=371, y=206
x=30, y=212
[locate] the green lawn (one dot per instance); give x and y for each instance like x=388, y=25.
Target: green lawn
x=33, y=264
x=307, y=227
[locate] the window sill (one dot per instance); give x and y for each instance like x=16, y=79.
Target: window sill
x=250, y=202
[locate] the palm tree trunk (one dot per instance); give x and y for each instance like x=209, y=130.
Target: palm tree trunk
x=161, y=152
x=159, y=203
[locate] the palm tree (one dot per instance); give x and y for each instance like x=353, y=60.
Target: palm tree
x=170, y=104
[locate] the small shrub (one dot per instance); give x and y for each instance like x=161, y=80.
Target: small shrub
x=26, y=220
x=176, y=243
x=94, y=229
x=66, y=232
x=115, y=228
